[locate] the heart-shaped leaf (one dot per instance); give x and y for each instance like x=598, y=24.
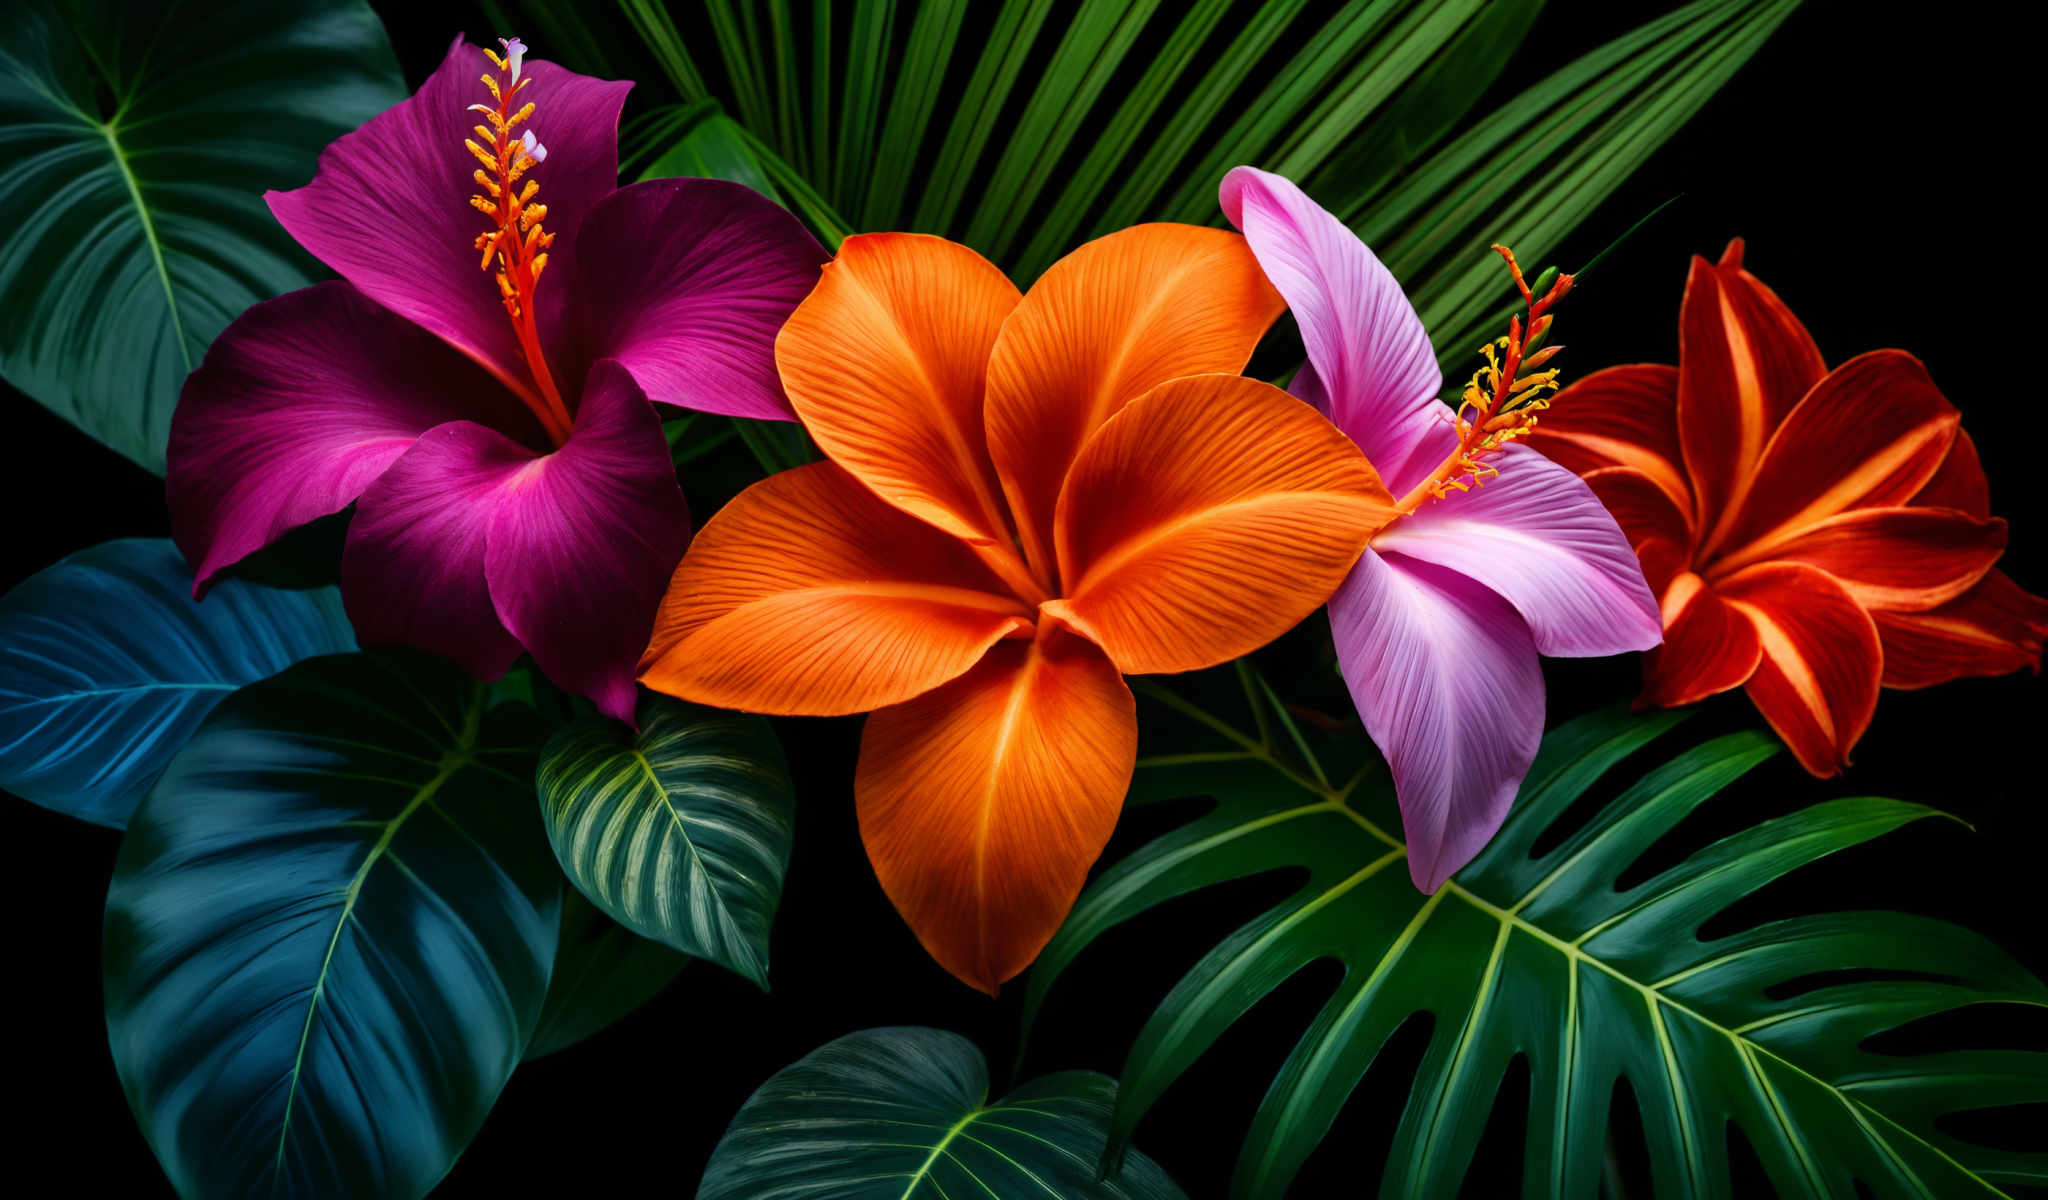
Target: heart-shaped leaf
x=136, y=141
x=111, y=665
x=904, y=1114
x=602, y=973
x=680, y=832
x=329, y=933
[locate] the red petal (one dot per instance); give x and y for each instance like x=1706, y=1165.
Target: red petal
x=1709, y=647
x=1817, y=680
x=1620, y=417
x=1743, y=362
x=1992, y=629
x=1907, y=559
x=1960, y=483
x=1644, y=510
x=1870, y=435
x=983, y=803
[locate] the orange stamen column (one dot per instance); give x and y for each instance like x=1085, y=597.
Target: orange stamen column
x=519, y=244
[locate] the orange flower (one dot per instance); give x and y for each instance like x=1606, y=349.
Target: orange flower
x=1028, y=497
x=1812, y=534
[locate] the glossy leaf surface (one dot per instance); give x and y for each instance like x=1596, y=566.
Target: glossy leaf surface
x=329, y=933
x=136, y=142
x=111, y=665
x=680, y=832
x=904, y=1114
x=1542, y=956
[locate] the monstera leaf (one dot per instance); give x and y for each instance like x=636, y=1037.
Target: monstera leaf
x=904, y=1114
x=136, y=141
x=680, y=832
x=1543, y=956
x=329, y=932
x=602, y=973
x=111, y=665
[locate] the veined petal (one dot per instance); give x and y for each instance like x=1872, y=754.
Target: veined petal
x=1907, y=559
x=1817, y=679
x=1709, y=647
x=885, y=363
x=582, y=542
x=1620, y=417
x=1959, y=483
x=1539, y=537
x=1445, y=675
x=686, y=282
x=807, y=595
x=1372, y=371
x=1642, y=509
x=983, y=803
x=1743, y=361
x=1103, y=326
x=388, y=207
x=1870, y=435
x=300, y=404
x=1206, y=519
x=1993, y=629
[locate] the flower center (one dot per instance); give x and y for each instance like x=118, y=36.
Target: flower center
x=1500, y=403
x=517, y=246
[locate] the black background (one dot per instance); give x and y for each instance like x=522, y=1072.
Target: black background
x=1857, y=155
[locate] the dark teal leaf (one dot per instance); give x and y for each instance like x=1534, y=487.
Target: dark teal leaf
x=602, y=973
x=679, y=832
x=136, y=141
x=1542, y=957
x=111, y=665
x=904, y=1114
x=329, y=932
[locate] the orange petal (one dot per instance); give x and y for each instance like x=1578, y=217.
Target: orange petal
x=1871, y=434
x=1743, y=361
x=1992, y=629
x=1817, y=680
x=884, y=363
x=1907, y=559
x=808, y=596
x=1960, y=482
x=1101, y=327
x=982, y=804
x=1620, y=417
x=1709, y=647
x=1206, y=519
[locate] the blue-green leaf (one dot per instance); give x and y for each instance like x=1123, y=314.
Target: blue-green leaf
x=904, y=1114
x=679, y=832
x=329, y=932
x=136, y=142
x=111, y=665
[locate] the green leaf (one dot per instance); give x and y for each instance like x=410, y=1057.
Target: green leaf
x=904, y=1114
x=602, y=973
x=329, y=932
x=679, y=832
x=714, y=148
x=136, y=142
x=111, y=665
x=1544, y=957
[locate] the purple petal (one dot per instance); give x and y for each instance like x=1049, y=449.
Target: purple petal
x=1372, y=370
x=1446, y=677
x=389, y=208
x=412, y=572
x=300, y=404
x=583, y=544
x=1540, y=537
x=686, y=283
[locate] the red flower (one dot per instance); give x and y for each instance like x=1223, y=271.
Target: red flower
x=1810, y=533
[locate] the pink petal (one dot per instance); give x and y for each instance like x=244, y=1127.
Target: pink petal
x=1371, y=369
x=686, y=282
x=300, y=404
x=389, y=208
x=1540, y=537
x=582, y=547
x=1446, y=677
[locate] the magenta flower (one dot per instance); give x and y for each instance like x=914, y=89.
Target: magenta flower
x=1439, y=626
x=479, y=385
